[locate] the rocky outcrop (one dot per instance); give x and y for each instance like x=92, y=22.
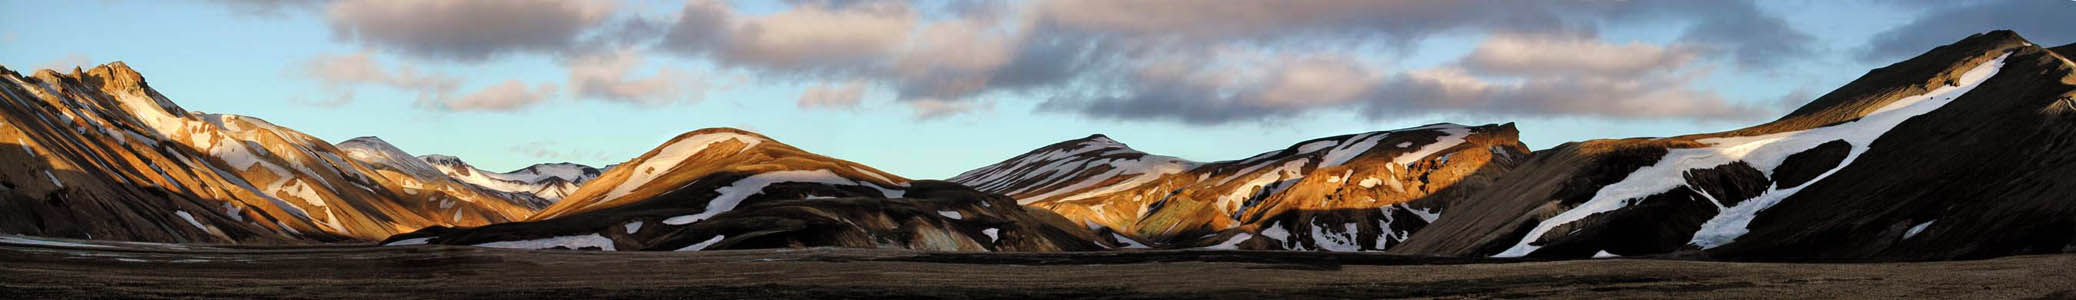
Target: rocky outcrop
x=1957, y=153
x=99, y=154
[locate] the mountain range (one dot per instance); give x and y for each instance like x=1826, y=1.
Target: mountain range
x=1958, y=153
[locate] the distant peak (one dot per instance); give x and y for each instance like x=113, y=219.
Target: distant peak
x=367, y=139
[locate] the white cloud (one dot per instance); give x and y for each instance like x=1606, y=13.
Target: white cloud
x=510, y=95
x=605, y=76
x=342, y=75
x=66, y=63
x=833, y=96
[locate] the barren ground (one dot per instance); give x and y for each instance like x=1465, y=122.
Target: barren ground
x=35, y=268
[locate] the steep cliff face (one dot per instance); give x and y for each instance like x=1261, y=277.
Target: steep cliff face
x=1957, y=153
x=97, y=153
x=1344, y=193
x=724, y=188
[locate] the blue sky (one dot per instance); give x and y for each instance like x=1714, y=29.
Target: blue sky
x=928, y=89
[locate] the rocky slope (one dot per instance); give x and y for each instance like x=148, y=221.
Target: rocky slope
x=1961, y=152
x=730, y=189
x=99, y=154
x=1342, y=193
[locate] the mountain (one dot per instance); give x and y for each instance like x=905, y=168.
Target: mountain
x=1961, y=152
x=99, y=154
x=722, y=188
x=542, y=184
x=1344, y=193
x=534, y=187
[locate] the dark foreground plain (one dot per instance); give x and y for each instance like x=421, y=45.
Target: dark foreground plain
x=45, y=268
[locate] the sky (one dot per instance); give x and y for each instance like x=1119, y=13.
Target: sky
x=928, y=89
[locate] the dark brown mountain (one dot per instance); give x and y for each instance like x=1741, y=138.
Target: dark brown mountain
x=1962, y=152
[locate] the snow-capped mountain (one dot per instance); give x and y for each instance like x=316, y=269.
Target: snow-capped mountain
x=1346, y=193
x=99, y=154
x=541, y=184
x=724, y=188
x=535, y=186
x=1961, y=152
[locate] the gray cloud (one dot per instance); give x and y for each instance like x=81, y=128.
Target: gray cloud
x=2048, y=21
x=466, y=30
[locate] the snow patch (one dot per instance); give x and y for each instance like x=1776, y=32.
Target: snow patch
x=571, y=242
x=1315, y=146
x=190, y=219
x=953, y=214
x=410, y=241
x=1452, y=135
x=704, y=244
x=1232, y=243
x=1128, y=242
x=633, y=226
x=1916, y=229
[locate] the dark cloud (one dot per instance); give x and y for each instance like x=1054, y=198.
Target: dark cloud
x=2042, y=21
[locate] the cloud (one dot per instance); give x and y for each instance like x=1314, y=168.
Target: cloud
x=2039, y=21
x=810, y=37
x=267, y=8
x=510, y=95
x=1451, y=90
x=466, y=30
x=833, y=96
x=1504, y=76
x=929, y=109
x=605, y=76
x=342, y=75
x=556, y=151
x=1556, y=55
x=67, y=63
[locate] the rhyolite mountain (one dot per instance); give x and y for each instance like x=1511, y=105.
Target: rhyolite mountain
x=535, y=186
x=723, y=188
x=1342, y=193
x=99, y=154
x=1962, y=152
